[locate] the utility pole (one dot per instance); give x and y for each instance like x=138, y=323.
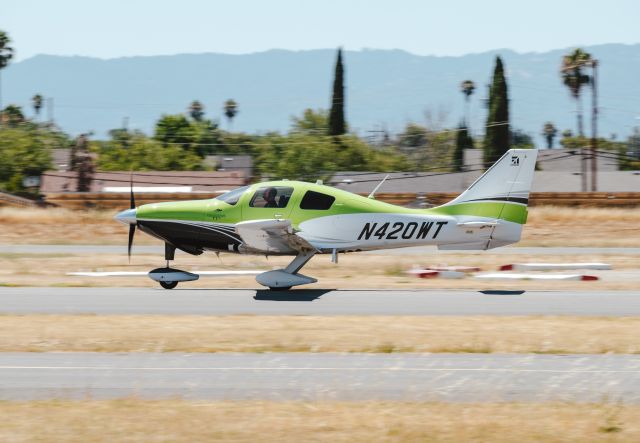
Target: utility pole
x=594, y=126
x=50, y=110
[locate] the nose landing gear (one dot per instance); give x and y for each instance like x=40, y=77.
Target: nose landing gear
x=169, y=277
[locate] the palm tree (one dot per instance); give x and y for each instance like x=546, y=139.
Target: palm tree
x=6, y=54
x=36, y=101
x=230, y=109
x=467, y=87
x=196, y=110
x=549, y=132
x=574, y=78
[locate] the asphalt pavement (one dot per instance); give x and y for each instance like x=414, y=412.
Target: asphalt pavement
x=215, y=301
x=300, y=376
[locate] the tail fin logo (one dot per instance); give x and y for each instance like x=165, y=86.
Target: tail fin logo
x=515, y=160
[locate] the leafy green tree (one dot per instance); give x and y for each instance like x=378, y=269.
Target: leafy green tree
x=576, y=143
x=6, y=54
x=196, y=110
x=201, y=137
x=238, y=143
x=574, y=78
x=428, y=147
x=521, y=140
x=123, y=136
x=497, y=137
x=549, y=132
x=22, y=153
x=36, y=101
x=144, y=154
x=463, y=141
x=312, y=122
x=174, y=130
x=337, y=124
x=230, y=110
x=306, y=154
x=12, y=115
x=207, y=138
x=413, y=137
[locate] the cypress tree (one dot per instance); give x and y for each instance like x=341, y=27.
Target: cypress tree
x=337, y=124
x=496, y=140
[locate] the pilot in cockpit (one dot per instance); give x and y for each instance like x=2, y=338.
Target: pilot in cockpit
x=269, y=196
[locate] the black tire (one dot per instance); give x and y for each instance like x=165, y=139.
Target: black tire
x=284, y=288
x=168, y=284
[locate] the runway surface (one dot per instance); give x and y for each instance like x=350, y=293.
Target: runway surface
x=436, y=377
x=153, y=300
x=420, y=250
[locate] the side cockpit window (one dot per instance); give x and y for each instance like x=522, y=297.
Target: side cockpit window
x=232, y=197
x=271, y=197
x=316, y=201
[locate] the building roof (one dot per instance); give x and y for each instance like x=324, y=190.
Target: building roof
x=550, y=160
x=156, y=181
x=570, y=160
x=242, y=163
x=403, y=182
x=416, y=182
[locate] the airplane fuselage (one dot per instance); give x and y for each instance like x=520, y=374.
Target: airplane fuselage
x=349, y=223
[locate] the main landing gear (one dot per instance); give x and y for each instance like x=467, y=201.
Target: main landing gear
x=284, y=279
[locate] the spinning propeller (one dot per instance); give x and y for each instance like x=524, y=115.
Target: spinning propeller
x=132, y=226
x=128, y=217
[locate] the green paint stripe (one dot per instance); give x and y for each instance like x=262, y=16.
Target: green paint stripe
x=505, y=211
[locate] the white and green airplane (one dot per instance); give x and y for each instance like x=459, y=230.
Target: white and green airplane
x=304, y=219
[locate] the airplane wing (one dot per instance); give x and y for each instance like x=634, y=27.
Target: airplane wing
x=277, y=236
x=228, y=273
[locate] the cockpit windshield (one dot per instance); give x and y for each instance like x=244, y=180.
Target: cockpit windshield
x=232, y=197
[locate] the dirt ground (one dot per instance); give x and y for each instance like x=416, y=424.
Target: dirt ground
x=546, y=226
x=134, y=420
x=379, y=334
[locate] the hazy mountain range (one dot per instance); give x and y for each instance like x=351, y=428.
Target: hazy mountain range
x=385, y=88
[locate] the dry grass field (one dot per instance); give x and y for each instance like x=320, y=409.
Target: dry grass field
x=379, y=334
x=547, y=226
x=133, y=420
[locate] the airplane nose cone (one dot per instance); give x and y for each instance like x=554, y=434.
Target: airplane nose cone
x=127, y=217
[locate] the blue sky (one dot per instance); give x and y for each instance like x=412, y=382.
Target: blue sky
x=117, y=28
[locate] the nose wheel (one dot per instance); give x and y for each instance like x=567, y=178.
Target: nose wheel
x=168, y=284
x=169, y=254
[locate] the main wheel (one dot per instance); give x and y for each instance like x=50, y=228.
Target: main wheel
x=168, y=284
x=284, y=288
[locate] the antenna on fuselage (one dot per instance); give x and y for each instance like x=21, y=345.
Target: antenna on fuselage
x=372, y=195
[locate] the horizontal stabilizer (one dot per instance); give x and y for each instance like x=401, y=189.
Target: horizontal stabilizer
x=474, y=246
